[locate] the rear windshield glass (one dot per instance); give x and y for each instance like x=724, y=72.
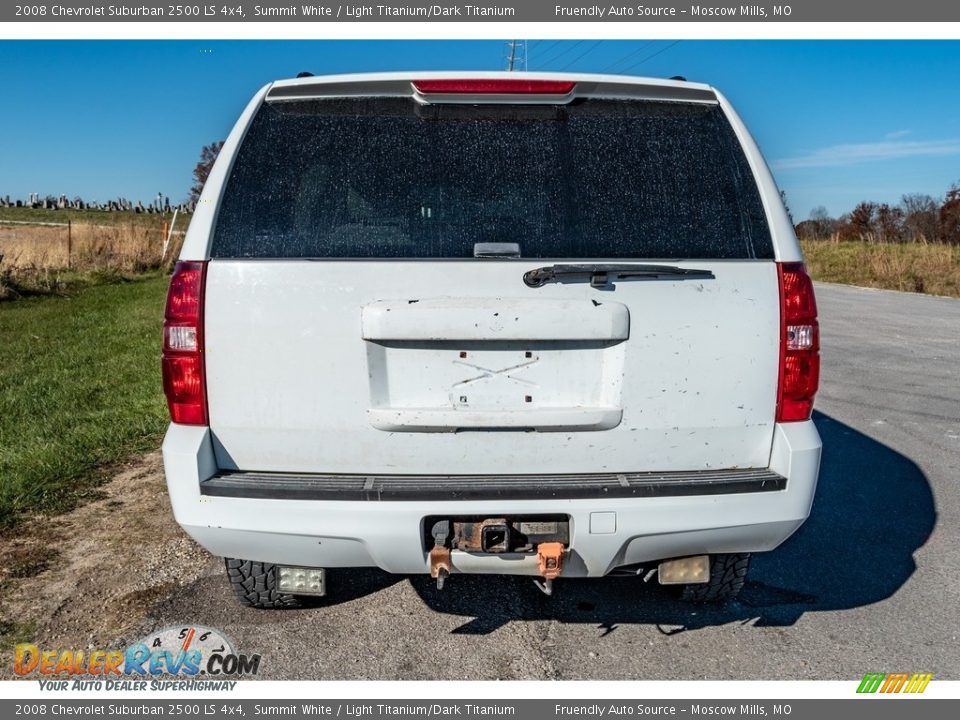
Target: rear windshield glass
x=389, y=178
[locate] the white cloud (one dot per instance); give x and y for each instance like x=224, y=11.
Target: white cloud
x=855, y=154
x=896, y=135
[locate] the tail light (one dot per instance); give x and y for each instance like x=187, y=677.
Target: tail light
x=799, y=344
x=494, y=86
x=184, y=383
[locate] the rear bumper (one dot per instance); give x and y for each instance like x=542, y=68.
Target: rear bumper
x=401, y=488
x=614, y=521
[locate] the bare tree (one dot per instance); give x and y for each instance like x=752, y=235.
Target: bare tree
x=950, y=216
x=917, y=217
x=208, y=154
x=821, y=222
x=920, y=216
x=862, y=225
x=889, y=223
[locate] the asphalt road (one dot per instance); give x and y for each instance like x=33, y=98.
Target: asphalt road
x=870, y=583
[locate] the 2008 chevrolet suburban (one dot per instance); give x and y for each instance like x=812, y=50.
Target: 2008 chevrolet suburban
x=555, y=326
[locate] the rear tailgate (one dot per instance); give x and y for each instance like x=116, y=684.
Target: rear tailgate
x=294, y=386
x=349, y=329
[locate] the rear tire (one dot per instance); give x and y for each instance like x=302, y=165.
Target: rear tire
x=728, y=573
x=255, y=585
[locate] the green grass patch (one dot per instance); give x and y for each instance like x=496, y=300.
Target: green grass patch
x=79, y=389
x=20, y=285
x=12, y=633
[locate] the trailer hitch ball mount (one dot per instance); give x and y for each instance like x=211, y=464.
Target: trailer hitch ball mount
x=546, y=537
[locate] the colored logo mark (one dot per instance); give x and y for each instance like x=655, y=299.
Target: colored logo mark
x=894, y=682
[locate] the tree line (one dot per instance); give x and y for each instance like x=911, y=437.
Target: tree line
x=917, y=218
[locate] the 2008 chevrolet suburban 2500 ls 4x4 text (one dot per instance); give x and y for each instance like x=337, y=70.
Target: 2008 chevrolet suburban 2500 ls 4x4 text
x=522, y=323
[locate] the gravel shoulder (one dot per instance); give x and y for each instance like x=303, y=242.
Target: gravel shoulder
x=87, y=578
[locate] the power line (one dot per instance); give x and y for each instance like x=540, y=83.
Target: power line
x=653, y=55
x=547, y=50
x=629, y=55
x=564, y=52
x=583, y=55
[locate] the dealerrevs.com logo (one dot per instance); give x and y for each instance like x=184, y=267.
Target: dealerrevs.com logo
x=180, y=652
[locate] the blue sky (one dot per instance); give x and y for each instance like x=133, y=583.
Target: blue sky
x=839, y=121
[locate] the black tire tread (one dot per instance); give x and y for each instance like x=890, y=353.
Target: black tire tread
x=255, y=585
x=728, y=574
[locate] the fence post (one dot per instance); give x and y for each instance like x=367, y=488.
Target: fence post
x=168, y=233
x=69, y=243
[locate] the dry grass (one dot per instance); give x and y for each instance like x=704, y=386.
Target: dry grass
x=130, y=248
x=923, y=267
x=42, y=259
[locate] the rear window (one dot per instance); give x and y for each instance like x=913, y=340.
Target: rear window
x=389, y=178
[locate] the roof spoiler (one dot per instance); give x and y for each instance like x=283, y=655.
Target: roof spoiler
x=477, y=89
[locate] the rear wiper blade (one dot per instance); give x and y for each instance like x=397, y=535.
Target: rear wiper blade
x=601, y=275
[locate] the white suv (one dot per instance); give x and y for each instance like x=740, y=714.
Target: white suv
x=525, y=323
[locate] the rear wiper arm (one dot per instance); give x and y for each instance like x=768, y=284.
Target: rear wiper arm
x=601, y=275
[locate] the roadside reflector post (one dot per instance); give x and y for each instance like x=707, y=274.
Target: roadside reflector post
x=69, y=243
x=168, y=233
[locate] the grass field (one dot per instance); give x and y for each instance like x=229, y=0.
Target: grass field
x=932, y=268
x=44, y=259
x=89, y=247
x=79, y=389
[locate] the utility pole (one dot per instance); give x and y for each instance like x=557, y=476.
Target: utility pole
x=516, y=56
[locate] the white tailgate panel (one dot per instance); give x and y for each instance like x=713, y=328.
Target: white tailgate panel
x=456, y=367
